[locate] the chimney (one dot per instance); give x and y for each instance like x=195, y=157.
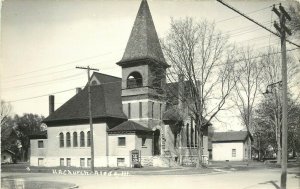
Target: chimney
x=51, y=104
x=180, y=91
x=78, y=89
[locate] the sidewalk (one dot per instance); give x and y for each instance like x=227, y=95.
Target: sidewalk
x=25, y=168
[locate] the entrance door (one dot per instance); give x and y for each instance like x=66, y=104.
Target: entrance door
x=156, y=142
x=40, y=161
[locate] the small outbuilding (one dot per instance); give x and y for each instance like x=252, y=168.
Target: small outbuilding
x=231, y=146
x=7, y=156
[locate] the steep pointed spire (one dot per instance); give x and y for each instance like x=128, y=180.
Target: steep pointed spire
x=143, y=42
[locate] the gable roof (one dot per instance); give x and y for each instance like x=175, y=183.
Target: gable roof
x=7, y=150
x=230, y=136
x=106, y=102
x=129, y=126
x=172, y=92
x=172, y=114
x=143, y=42
x=106, y=79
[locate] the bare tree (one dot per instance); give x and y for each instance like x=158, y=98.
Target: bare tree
x=249, y=78
x=5, y=111
x=204, y=57
x=294, y=12
x=272, y=74
x=266, y=126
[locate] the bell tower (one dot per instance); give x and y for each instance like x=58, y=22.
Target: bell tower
x=143, y=72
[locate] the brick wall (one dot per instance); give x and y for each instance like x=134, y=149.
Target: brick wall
x=52, y=152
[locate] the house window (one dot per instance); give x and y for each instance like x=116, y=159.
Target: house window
x=120, y=162
x=68, y=136
x=89, y=162
x=40, y=161
x=40, y=144
x=233, y=152
x=175, y=140
x=82, y=144
x=81, y=162
x=192, y=133
x=68, y=162
x=160, y=111
x=61, y=139
x=196, y=137
x=129, y=110
x=152, y=109
x=134, y=80
x=187, y=135
x=75, y=142
x=140, y=110
x=121, y=141
x=88, y=138
x=144, y=141
x=4, y=157
x=62, y=162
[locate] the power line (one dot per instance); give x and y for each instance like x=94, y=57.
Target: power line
x=76, y=75
x=55, y=66
x=248, y=27
x=259, y=37
x=41, y=82
x=42, y=69
x=236, y=61
x=242, y=14
x=106, y=83
x=47, y=81
x=57, y=92
x=226, y=19
x=50, y=73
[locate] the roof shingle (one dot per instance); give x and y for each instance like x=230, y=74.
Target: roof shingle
x=230, y=136
x=143, y=42
x=129, y=126
x=106, y=102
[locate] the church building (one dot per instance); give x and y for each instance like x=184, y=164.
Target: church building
x=132, y=113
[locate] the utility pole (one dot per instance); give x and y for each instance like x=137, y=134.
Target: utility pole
x=282, y=30
x=90, y=115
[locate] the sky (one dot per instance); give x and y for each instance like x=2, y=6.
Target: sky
x=43, y=41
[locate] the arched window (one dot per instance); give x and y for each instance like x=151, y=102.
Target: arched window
x=134, y=80
x=68, y=136
x=82, y=144
x=75, y=142
x=61, y=140
x=88, y=138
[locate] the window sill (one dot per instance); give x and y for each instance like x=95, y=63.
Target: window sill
x=144, y=147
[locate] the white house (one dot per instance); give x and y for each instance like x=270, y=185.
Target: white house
x=7, y=156
x=231, y=146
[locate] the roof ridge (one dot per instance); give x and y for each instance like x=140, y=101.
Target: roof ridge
x=106, y=75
